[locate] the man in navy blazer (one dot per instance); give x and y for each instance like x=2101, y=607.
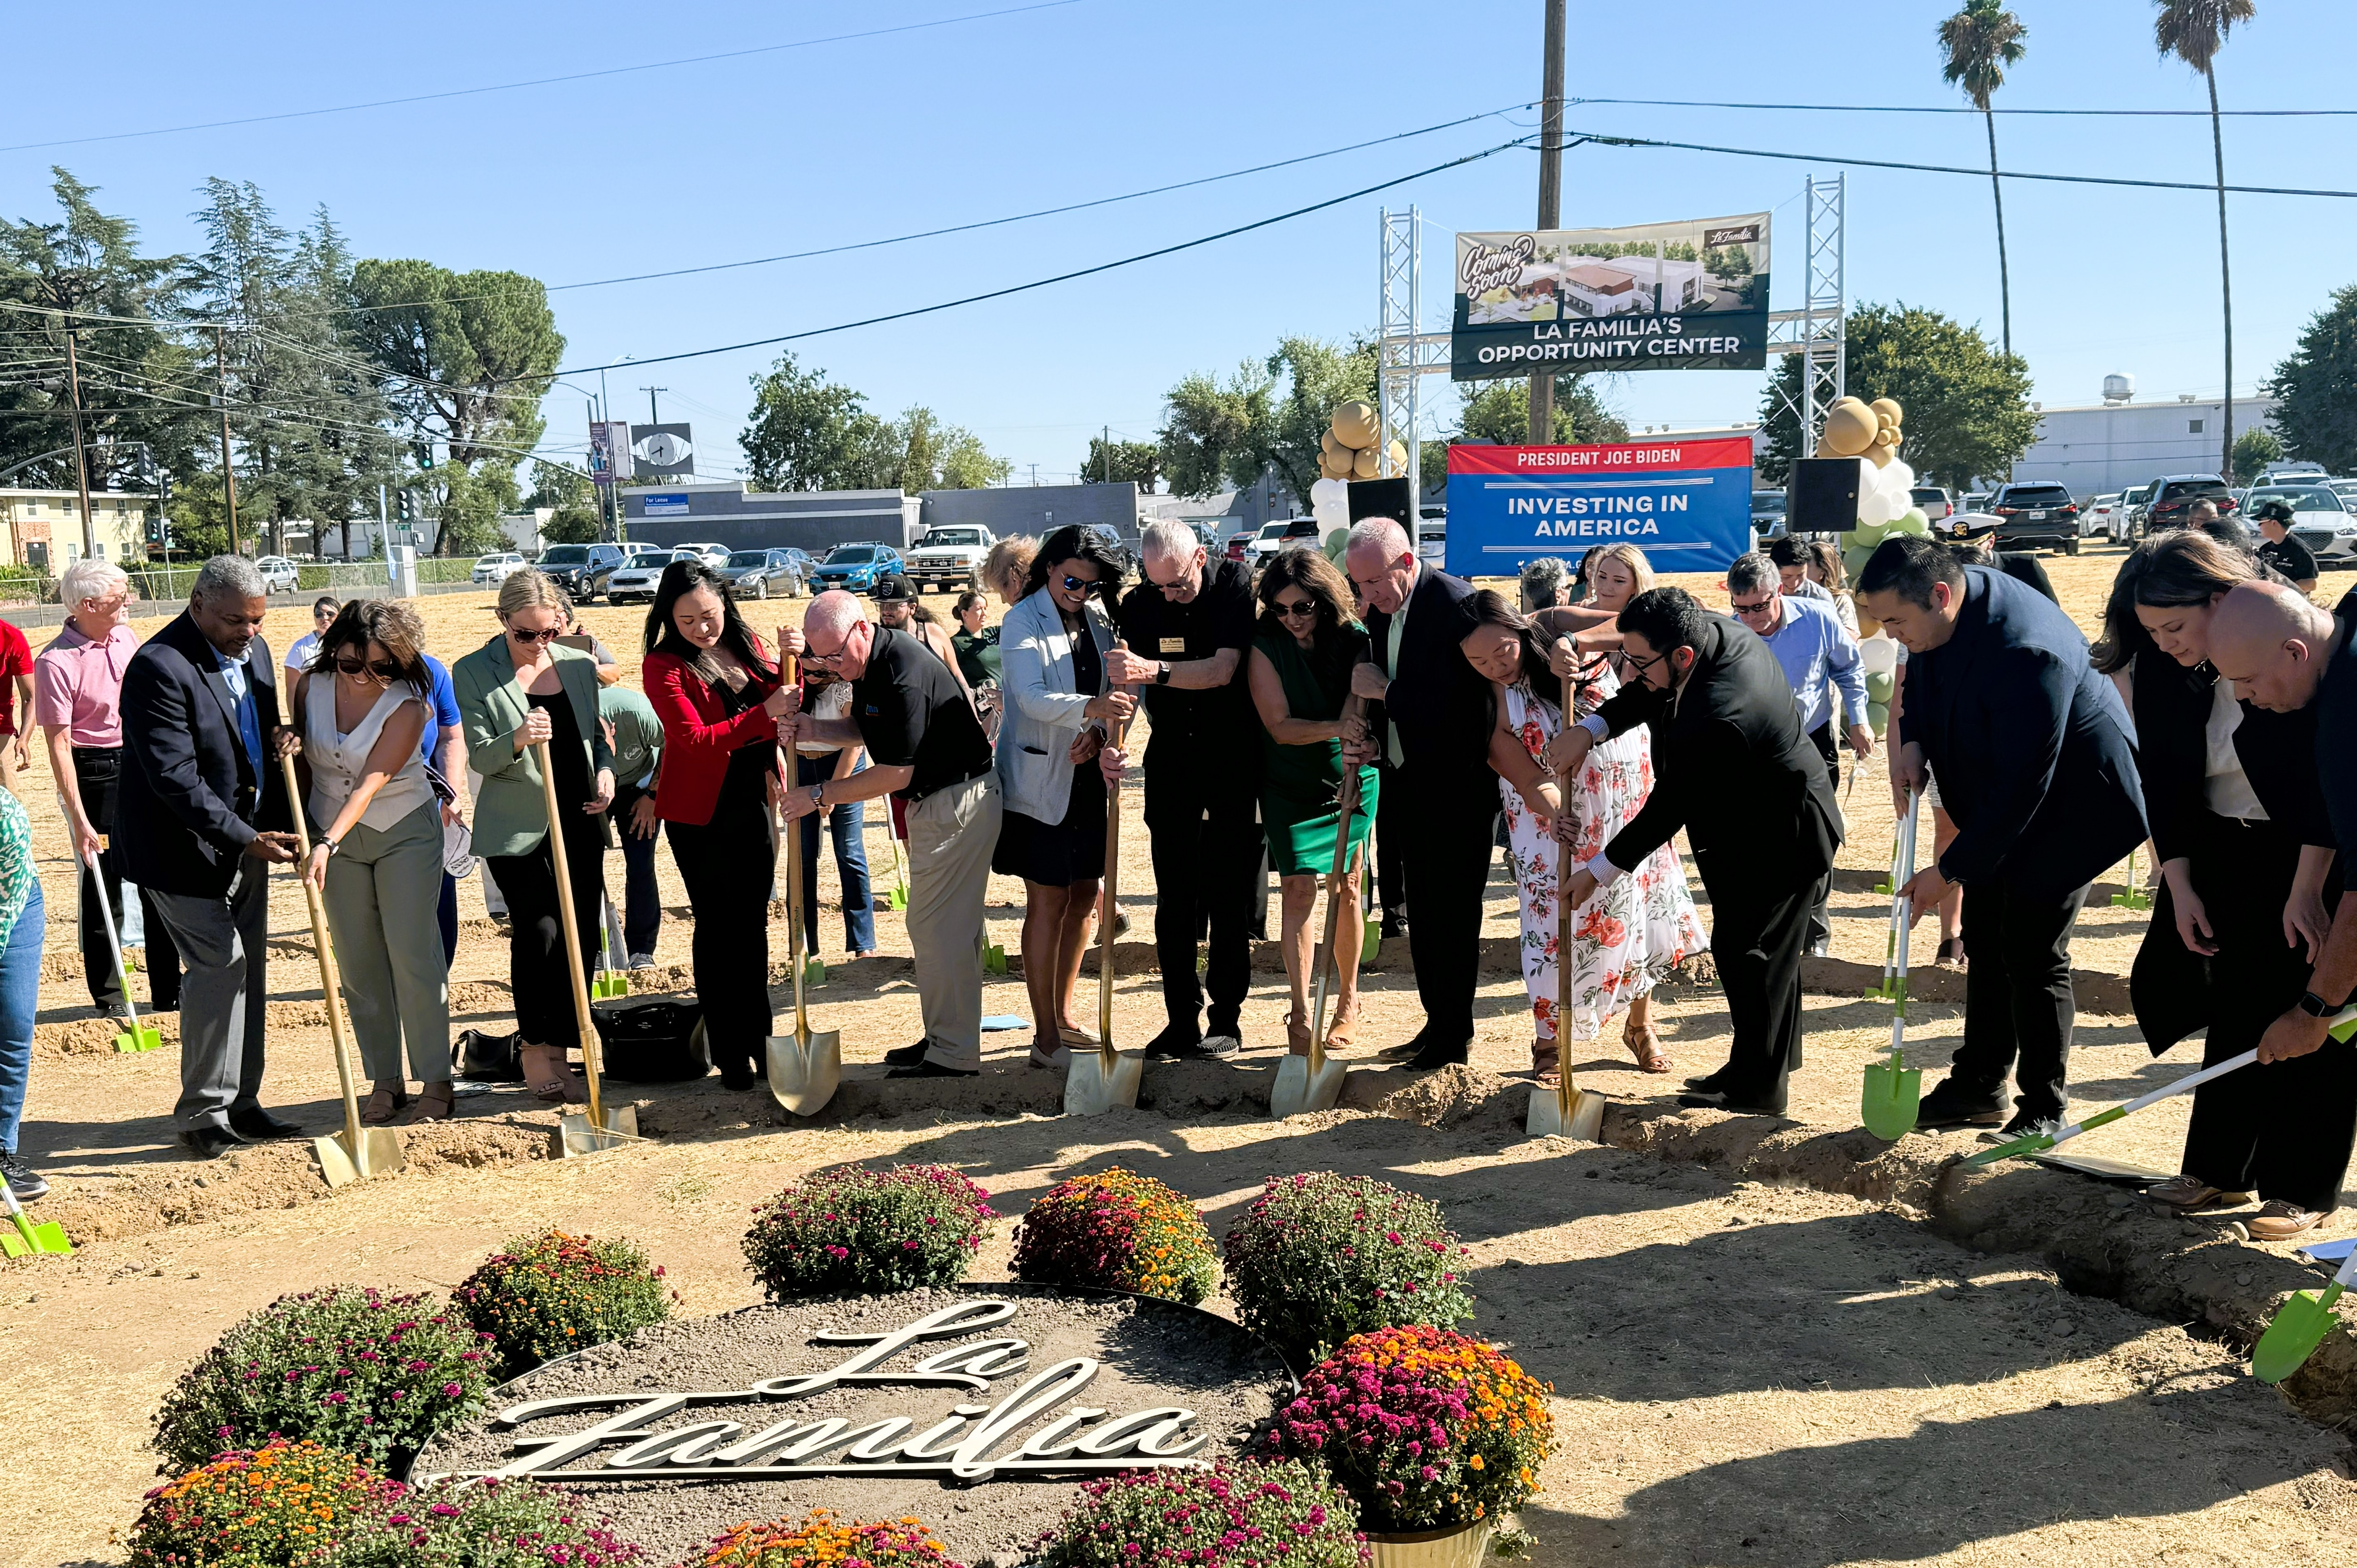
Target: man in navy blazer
x=2038, y=769
x=202, y=799
x=1434, y=733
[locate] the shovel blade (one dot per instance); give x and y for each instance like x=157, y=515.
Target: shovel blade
x=1298, y=1090
x=2034, y=1143
x=335, y=1162
x=611, y=984
x=813, y=972
x=2299, y=1326
x=143, y=1037
x=1092, y=1087
x=1890, y=1098
x=1546, y=1118
x=994, y=959
x=899, y=898
x=24, y=1239
x=803, y=1079
x=1370, y=939
x=577, y=1136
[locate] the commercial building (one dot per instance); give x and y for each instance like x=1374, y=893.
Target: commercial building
x=1036, y=509
x=728, y=513
x=44, y=527
x=2099, y=449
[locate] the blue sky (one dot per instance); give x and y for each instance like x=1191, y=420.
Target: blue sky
x=862, y=139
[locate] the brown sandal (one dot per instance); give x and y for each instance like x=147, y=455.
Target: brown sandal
x=1645, y=1046
x=1546, y=1059
x=382, y=1105
x=1344, y=1030
x=436, y=1102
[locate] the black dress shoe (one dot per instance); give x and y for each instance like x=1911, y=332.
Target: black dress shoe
x=906, y=1056
x=738, y=1081
x=1822, y=948
x=1176, y=1040
x=256, y=1125
x=209, y=1142
x=1952, y=1104
x=1434, y=1057
x=931, y=1070
x=1709, y=1082
x=1722, y=1100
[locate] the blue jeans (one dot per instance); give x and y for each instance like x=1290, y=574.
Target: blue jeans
x=642, y=903
x=849, y=825
x=20, y=987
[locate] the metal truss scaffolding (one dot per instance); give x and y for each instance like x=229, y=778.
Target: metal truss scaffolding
x=1816, y=330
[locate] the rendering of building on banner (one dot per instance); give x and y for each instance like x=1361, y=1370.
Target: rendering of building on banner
x=1689, y=295
x=1686, y=504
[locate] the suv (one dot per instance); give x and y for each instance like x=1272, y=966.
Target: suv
x=279, y=574
x=950, y=557
x=714, y=556
x=855, y=566
x=580, y=569
x=2038, y=513
x=2169, y=499
x=1768, y=512
x=495, y=567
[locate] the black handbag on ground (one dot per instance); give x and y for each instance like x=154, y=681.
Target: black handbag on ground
x=654, y=1040
x=488, y=1059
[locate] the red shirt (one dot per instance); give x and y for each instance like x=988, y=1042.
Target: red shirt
x=699, y=734
x=16, y=662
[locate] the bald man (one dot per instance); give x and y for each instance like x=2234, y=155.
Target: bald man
x=925, y=745
x=1434, y=734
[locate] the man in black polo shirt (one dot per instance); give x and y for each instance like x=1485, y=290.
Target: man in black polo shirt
x=924, y=745
x=2272, y=515
x=1186, y=628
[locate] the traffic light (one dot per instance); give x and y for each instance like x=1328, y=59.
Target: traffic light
x=426, y=461
x=407, y=514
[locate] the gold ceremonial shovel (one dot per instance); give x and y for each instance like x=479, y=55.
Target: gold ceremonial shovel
x=602, y=1127
x=804, y=1068
x=1564, y=1111
x=1096, y=1081
x=356, y=1152
x=1312, y=1083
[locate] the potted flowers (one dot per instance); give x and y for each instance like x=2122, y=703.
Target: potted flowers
x=288, y=1504
x=1320, y=1257
x=855, y=1229
x=544, y=1296
x=1116, y=1230
x=1436, y=1435
x=820, y=1541
x=1236, y=1515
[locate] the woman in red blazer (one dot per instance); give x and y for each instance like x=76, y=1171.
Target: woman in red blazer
x=718, y=696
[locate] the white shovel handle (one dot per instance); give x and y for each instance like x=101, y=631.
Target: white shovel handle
x=2191, y=1080
x=114, y=941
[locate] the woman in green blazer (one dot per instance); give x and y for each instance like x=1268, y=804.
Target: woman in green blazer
x=518, y=690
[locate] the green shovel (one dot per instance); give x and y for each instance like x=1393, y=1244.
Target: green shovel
x=2136, y=897
x=2299, y=1326
x=1892, y=1092
x=20, y=1238
x=2039, y=1143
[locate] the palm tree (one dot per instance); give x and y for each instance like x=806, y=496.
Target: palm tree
x=2194, y=31
x=1980, y=41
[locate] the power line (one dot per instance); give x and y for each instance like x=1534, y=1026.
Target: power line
x=1959, y=109
x=1068, y=277
x=539, y=80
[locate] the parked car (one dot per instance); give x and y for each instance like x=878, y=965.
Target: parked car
x=2101, y=516
x=761, y=573
x=2168, y=501
x=2035, y=514
x=714, y=556
x=2127, y=521
x=637, y=576
x=279, y=575
x=1116, y=546
x=495, y=567
x=855, y=566
x=1267, y=541
x=1768, y=513
x=579, y=569
x=2345, y=489
x=1239, y=545
x=2320, y=519
x=1931, y=500
x=950, y=557
x=1432, y=541
x=1974, y=501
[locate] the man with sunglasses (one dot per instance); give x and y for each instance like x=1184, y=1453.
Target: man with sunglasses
x=1820, y=658
x=1184, y=629
x=925, y=744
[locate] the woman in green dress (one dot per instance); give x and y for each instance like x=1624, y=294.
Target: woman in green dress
x=1302, y=652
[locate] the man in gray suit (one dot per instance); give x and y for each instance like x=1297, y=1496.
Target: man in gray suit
x=202, y=816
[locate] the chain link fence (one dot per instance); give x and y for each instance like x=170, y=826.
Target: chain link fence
x=32, y=586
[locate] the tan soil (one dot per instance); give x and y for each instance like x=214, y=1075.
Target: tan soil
x=1746, y=1372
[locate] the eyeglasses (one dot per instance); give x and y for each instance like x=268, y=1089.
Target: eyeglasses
x=1642, y=665
x=1079, y=584
x=529, y=637
x=811, y=660
x=383, y=668
x=1294, y=609
x=1757, y=608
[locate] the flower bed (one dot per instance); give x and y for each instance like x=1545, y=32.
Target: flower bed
x=1116, y=1230
x=818, y=1542
x=1236, y=1515
x=491, y=1524
x=372, y=1374
x=1426, y=1428
x=548, y=1295
x=286, y=1505
x=1320, y=1257
x=855, y=1229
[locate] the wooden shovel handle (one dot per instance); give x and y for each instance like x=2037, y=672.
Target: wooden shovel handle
x=330, y=979
x=591, y=1062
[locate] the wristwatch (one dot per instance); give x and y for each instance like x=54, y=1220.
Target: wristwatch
x=1162, y=674
x=818, y=796
x=330, y=845
x=2316, y=1006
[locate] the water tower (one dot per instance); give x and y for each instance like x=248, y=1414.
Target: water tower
x=2118, y=388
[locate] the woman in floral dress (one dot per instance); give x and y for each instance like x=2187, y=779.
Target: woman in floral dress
x=1627, y=936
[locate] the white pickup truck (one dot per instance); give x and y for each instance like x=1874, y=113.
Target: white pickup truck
x=948, y=557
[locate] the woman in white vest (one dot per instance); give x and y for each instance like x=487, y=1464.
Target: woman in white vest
x=377, y=848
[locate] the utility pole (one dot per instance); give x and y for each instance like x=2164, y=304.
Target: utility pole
x=1108, y=454
x=1550, y=201
x=81, y=456
x=654, y=412
x=228, y=474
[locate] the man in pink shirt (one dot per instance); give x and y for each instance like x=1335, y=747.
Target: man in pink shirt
x=76, y=699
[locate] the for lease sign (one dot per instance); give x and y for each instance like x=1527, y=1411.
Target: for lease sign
x=1687, y=505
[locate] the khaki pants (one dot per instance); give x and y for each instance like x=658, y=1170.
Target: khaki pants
x=950, y=834
x=380, y=882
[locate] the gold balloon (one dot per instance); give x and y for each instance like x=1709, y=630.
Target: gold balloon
x=1330, y=447
x=1354, y=425
x=1887, y=411
x=1399, y=457
x=1886, y=437
x=1333, y=467
x=1850, y=428
x=1879, y=455
x=1367, y=464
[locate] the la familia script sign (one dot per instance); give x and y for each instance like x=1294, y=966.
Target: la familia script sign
x=1031, y=1426
x=1686, y=504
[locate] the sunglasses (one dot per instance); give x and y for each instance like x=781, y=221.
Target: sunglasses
x=1294, y=609
x=1757, y=608
x=383, y=668
x=811, y=660
x=1080, y=584
x=529, y=637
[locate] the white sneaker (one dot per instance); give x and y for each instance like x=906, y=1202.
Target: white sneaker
x=1059, y=1059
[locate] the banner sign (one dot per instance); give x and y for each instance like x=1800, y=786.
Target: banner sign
x=1686, y=504
x=608, y=438
x=660, y=452
x=1659, y=296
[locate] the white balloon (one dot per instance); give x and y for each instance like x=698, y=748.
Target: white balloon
x=1335, y=491
x=1331, y=514
x=1898, y=478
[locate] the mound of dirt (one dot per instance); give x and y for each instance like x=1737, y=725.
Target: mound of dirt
x=1463, y=1100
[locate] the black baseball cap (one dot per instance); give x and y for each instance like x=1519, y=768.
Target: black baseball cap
x=2271, y=509
x=893, y=586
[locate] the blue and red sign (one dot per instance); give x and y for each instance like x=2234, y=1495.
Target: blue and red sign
x=1686, y=504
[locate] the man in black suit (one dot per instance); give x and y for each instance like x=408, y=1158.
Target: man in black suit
x=1434, y=734
x=1732, y=766
x=2031, y=747
x=201, y=735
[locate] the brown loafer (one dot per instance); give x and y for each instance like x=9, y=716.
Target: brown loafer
x=2192, y=1194
x=2278, y=1219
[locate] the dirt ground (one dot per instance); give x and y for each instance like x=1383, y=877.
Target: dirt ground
x=1743, y=1373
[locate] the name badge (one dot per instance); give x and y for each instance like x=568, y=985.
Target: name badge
x=1174, y=644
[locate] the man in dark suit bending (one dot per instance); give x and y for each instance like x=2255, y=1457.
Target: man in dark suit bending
x=2031, y=747
x=1434, y=733
x=200, y=796
x=1731, y=767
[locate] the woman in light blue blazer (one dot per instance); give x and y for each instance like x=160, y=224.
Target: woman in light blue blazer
x=1052, y=645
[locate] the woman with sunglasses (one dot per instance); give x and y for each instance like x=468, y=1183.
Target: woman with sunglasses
x=716, y=691
x=1303, y=653
x=1053, y=644
x=376, y=849
x=516, y=691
